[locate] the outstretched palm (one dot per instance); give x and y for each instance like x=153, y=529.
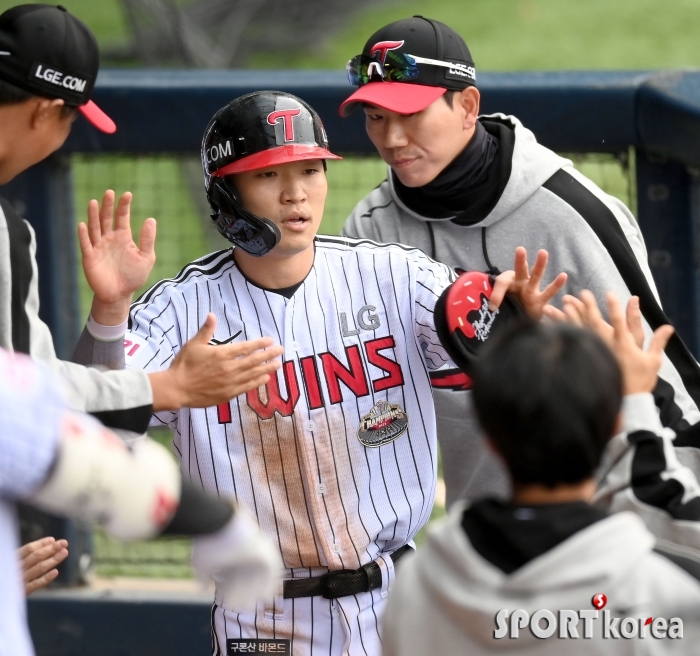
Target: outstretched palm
x=115, y=267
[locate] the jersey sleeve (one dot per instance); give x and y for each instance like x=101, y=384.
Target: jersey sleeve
x=152, y=341
x=432, y=278
x=32, y=405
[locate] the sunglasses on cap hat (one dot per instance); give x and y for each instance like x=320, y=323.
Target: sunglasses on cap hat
x=396, y=67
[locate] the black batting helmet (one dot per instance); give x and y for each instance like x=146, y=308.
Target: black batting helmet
x=252, y=132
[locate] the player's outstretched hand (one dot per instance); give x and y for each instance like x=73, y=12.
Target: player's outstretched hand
x=39, y=561
x=624, y=335
x=115, y=267
x=203, y=375
x=245, y=565
x=525, y=284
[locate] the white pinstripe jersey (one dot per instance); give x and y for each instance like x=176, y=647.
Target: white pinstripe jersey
x=336, y=456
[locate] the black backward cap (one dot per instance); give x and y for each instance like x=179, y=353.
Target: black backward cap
x=47, y=51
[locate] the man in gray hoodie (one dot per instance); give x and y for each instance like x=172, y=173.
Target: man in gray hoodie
x=469, y=189
x=546, y=572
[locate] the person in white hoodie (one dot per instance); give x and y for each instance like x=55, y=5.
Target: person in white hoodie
x=467, y=190
x=546, y=572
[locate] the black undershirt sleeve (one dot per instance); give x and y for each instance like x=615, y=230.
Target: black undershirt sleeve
x=198, y=513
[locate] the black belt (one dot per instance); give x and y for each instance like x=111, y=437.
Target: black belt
x=340, y=583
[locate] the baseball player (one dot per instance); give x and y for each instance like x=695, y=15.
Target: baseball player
x=467, y=190
x=68, y=464
x=335, y=456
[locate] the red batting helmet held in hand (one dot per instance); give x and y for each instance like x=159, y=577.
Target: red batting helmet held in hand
x=463, y=321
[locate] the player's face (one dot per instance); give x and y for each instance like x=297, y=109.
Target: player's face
x=419, y=146
x=292, y=196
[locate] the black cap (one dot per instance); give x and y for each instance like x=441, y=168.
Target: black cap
x=424, y=38
x=47, y=51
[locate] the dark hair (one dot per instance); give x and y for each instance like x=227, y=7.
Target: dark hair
x=449, y=96
x=13, y=95
x=548, y=396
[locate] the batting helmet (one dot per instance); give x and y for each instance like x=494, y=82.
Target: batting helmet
x=252, y=132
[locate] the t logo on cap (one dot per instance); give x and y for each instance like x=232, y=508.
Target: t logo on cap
x=380, y=49
x=286, y=115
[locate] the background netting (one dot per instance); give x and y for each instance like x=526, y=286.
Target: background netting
x=171, y=189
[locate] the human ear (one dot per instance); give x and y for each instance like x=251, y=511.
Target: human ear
x=45, y=110
x=469, y=100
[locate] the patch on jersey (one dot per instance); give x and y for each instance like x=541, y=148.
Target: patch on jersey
x=251, y=646
x=382, y=424
x=132, y=345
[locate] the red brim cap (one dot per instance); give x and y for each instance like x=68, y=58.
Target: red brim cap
x=273, y=157
x=98, y=118
x=399, y=97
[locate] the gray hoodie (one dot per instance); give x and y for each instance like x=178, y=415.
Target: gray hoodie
x=446, y=598
x=590, y=235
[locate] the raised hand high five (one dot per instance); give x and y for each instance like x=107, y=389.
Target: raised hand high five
x=525, y=284
x=624, y=335
x=115, y=267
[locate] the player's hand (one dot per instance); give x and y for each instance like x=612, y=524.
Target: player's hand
x=203, y=375
x=39, y=561
x=625, y=337
x=525, y=284
x=245, y=565
x=115, y=267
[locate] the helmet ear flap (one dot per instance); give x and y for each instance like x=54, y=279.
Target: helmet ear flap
x=253, y=234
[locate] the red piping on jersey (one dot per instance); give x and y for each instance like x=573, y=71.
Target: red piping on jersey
x=459, y=381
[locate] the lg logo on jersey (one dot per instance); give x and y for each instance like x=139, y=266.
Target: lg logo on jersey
x=365, y=320
x=324, y=371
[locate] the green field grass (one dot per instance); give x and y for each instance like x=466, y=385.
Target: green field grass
x=504, y=35
x=517, y=35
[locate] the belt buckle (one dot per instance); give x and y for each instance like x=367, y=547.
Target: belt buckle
x=338, y=577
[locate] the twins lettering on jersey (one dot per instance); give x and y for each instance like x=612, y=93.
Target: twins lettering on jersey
x=315, y=373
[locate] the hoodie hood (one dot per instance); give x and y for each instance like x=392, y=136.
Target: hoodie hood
x=531, y=166
x=470, y=590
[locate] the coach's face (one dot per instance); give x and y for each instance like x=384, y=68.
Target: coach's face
x=419, y=146
x=292, y=196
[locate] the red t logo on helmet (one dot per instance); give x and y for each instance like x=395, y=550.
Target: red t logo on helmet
x=286, y=115
x=380, y=49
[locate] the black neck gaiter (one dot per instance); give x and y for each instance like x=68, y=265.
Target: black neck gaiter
x=465, y=183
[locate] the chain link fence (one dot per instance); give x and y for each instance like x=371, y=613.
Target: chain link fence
x=170, y=189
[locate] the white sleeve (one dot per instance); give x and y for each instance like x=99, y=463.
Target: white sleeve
x=432, y=278
x=151, y=344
